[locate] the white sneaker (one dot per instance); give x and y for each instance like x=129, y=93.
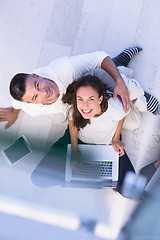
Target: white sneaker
x=141, y=104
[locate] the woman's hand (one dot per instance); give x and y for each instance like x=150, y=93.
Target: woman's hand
x=157, y=164
x=118, y=147
x=76, y=161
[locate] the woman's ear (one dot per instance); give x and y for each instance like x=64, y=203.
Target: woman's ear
x=100, y=99
x=35, y=75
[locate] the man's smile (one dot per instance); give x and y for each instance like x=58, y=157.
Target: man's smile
x=49, y=92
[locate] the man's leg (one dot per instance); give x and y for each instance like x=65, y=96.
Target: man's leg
x=149, y=102
x=123, y=59
x=153, y=104
x=126, y=55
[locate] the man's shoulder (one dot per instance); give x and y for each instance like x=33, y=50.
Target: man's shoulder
x=16, y=104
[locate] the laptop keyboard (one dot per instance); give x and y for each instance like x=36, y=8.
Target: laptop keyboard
x=96, y=170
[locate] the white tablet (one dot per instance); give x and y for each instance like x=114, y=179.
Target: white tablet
x=17, y=150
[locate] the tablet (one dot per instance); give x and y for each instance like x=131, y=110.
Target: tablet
x=17, y=150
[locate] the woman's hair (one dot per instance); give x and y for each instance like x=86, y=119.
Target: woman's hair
x=70, y=97
x=18, y=86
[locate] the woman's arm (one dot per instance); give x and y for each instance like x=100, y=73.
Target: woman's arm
x=76, y=158
x=117, y=144
x=74, y=136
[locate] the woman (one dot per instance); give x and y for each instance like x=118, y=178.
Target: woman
x=95, y=118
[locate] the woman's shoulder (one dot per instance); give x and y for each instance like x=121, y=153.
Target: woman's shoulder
x=115, y=109
x=115, y=103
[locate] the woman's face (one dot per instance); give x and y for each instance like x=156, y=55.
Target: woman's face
x=88, y=102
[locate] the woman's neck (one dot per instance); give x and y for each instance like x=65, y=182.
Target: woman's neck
x=99, y=112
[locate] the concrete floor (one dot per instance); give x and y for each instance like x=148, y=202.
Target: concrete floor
x=33, y=33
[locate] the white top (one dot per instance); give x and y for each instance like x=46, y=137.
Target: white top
x=63, y=72
x=102, y=129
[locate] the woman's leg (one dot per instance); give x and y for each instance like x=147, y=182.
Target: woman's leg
x=51, y=169
x=148, y=171
x=125, y=166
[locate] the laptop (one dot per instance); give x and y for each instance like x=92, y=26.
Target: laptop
x=101, y=166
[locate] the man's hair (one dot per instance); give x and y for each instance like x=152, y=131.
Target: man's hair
x=70, y=97
x=18, y=86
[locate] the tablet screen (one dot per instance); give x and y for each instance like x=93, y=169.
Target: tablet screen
x=17, y=150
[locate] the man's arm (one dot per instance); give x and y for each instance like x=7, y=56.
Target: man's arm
x=9, y=114
x=120, y=89
x=84, y=63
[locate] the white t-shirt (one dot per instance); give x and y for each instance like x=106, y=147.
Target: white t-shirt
x=63, y=72
x=102, y=129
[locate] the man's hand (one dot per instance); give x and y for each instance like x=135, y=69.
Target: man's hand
x=118, y=147
x=8, y=114
x=121, y=90
x=76, y=161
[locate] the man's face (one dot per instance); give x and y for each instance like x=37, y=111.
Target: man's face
x=40, y=90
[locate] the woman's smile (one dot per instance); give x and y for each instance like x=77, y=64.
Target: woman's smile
x=88, y=102
x=86, y=111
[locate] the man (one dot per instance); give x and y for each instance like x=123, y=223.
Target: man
x=40, y=92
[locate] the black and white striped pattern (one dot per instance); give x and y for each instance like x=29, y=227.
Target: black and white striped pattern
x=153, y=104
x=126, y=55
